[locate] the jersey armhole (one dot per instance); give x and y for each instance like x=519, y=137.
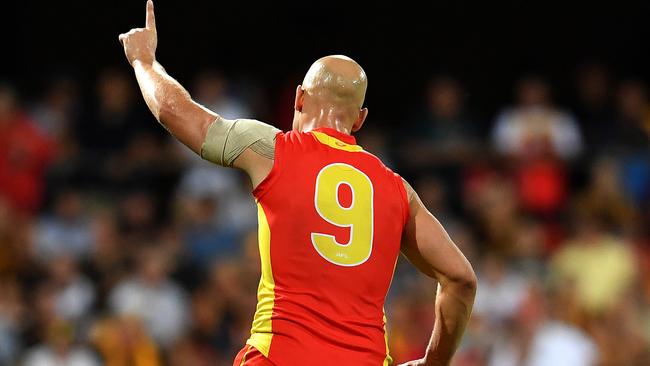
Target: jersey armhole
x=406, y=207
x=272, y=177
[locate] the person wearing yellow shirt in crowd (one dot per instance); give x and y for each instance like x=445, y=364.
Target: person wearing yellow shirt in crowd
x=599, y=267
x=123, y=341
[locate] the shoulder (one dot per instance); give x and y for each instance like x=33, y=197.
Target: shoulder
x=293, y=136
x=292, y=142
x=410, y=192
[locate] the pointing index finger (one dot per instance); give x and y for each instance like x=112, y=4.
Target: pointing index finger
x=151, y=18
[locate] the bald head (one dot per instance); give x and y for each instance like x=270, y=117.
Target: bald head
x=331, y=95
x=337, y=80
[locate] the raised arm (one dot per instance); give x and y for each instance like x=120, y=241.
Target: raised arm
x=225, y=142
x=428, y=247
x=169, y=102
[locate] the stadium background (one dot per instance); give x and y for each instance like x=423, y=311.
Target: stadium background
x=117, y=245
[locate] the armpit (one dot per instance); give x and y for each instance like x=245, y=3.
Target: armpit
x=227, y=139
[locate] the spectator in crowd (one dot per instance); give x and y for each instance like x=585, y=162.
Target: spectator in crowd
x=153, y=297
x=605, y=198
x=16, y=251
x=109, y=124
x=74, y=293
x=446, y=133
x=632, y=132
x=227, y=281
x=123, y=341
x=201, y=344
x=556, y=341
x=534, y=126
x=59, y=349
x=594, y=105
x=137, y=218
x=108, y=261
x=619, y=334
x=531, y=245
x=445, y=139
x=115, y=118
x=66, y=231
x=25, y=153
x=630, y=140
x=599, y=265
x=539, y=138
x=501, y=293
x=11, y=315
x=212, y=90
x=58, y=109
x=543, y=336
x=205, y=240
x=494, y=207
x=235, y=208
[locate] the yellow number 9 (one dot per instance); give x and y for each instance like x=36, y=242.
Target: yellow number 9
x=358, y=216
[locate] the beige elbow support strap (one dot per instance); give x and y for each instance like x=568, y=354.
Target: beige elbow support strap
x=227, y=139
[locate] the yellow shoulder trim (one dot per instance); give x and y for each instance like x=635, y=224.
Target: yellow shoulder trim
x=335, y=143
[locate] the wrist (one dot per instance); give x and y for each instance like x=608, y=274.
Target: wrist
x=431, y=359
x=427, y=361
x=142, y=63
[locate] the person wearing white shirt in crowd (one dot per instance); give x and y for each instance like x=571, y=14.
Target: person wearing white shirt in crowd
x=153, y=297
x=535, y=126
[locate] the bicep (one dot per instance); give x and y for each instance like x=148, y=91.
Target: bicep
x=428, y=247
x=246, y=144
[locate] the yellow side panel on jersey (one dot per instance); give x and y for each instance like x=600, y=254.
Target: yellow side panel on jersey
x=335, y=143
x=261, y=333
x=388, y=360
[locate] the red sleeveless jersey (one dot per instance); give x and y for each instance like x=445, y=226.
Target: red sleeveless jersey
x=330, y=224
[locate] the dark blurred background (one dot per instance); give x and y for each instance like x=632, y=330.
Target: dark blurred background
x=524, y=126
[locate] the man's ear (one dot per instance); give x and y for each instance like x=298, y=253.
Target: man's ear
x=300, y=98
x=363, y=113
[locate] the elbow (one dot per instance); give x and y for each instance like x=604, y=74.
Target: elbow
x=463, y=282
x=469, y=282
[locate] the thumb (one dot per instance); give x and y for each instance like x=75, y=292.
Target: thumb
x=151, y=18
x=121, y=38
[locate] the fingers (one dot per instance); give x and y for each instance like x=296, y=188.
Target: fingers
x=150, y=25
x=151, y=18
x=124, y=36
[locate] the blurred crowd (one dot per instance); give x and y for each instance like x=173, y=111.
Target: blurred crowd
x=120, y=247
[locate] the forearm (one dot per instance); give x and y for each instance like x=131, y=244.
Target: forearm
x=172, y=105
x=454, y=303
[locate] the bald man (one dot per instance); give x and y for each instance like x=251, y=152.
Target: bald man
x=332, y=218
